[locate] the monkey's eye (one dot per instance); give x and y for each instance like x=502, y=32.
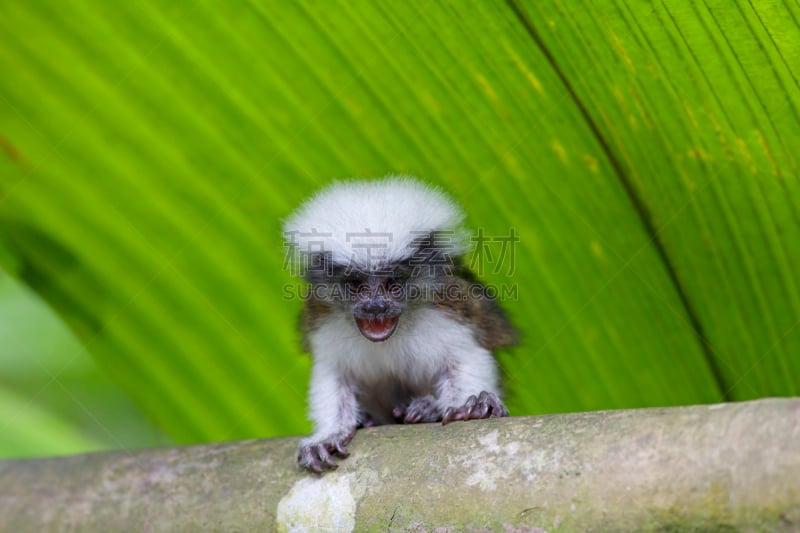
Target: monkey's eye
x=353, y=284
x=395, y=287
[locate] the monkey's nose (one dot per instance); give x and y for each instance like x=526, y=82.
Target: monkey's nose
x=374, y=308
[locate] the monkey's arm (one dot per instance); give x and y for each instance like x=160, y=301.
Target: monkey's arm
x=334, y=411
x=466, y=387
x=482, y=403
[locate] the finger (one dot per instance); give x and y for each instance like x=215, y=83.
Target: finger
x=447, y=417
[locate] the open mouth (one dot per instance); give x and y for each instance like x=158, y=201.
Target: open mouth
x=377, y=329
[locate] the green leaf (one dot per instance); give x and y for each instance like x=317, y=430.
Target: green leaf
x=643, y=155
x=56, y=400
x=29, y=430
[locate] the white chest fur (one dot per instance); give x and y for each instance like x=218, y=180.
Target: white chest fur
x=426, y=343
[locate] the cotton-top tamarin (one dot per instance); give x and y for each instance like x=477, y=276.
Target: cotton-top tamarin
x=399, y=329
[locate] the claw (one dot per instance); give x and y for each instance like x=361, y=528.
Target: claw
x=481, y=410
x=413, y=415
x=422, y=409
x=315, y=457
x=447, y=417
x=340, y=449
x=469, y=404
x=318, y=456
x=485, y=405
x=325, y=456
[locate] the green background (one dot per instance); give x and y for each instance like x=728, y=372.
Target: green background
x=645, y=154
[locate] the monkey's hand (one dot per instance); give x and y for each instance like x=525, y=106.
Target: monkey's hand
x=422, y=409
x=317, y=454
x=485, y=405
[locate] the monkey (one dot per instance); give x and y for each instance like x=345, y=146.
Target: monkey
x=398, y=327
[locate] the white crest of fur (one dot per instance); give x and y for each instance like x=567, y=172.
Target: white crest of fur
x=374, y=223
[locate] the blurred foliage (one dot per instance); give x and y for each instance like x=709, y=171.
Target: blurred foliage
x=644, y=154
x=53, y=398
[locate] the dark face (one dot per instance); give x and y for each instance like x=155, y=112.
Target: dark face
x=376, y=301
x=377, y=298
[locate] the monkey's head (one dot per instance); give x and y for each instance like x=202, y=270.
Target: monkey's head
x=373, y=249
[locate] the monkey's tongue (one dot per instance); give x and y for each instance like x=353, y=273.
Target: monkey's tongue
x=377, y=329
